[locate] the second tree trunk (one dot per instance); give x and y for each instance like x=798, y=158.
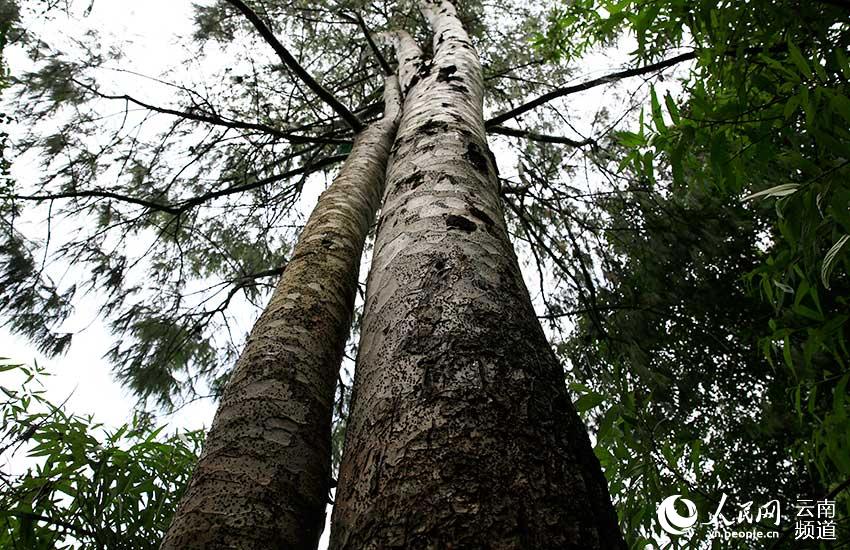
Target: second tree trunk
x=263, y=478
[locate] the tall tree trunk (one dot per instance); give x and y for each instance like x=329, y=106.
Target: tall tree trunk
x=262, y=481
x=461, y=434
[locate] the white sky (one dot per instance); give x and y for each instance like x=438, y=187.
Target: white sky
x=152, y=26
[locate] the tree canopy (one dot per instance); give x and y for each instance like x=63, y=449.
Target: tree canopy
x=208, y=175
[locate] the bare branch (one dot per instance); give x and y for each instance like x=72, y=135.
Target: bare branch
x=561, y=92
x=194, y=201
x=303, y=170
x=214, y=119
x=296, y=67
x=103, y=194
x=534, y=136
x=377, y=52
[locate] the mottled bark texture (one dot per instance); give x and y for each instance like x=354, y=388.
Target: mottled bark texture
x=461, y=434
x=262, y=480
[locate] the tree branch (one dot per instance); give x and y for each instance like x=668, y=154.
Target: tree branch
x=377, y=52
x=296, y=67
x=534, y=136
x=194, y=201
x=559, y=262
x=303, y=170
x=275, y=271
x=561, y=92
x=214, y=119
x=160, y=207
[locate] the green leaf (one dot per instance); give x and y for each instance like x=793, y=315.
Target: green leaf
x=820, y=71
x=719, y=157
x=841, y=105
x=830, y=259
x=807, y=312
x=798, y=59
x=791, y=106
x=588, y=401
x=783, y=287
x=782, y=190
x=839, y=397
x=696, y=449
x=813, y=399
x=631, y=139
x=657, y=115
x=672, y=109
x=786, y=355
x=842, y=62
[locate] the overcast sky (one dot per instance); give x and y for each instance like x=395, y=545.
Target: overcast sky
x=82, y=373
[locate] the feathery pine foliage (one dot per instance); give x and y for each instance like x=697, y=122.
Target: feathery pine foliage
x=180, y=191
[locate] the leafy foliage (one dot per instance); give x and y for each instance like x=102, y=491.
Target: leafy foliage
x=719, y=359
x=680, y=394
x=86, y=486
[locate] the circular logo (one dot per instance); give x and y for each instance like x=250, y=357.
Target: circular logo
x=670, y=519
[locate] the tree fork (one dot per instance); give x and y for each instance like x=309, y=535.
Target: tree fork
x=262, y=480
x=461, y=432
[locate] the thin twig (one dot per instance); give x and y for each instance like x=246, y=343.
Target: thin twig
x=296, y=67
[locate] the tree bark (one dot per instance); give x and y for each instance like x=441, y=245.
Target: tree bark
x=262, y=481
x=461, y=434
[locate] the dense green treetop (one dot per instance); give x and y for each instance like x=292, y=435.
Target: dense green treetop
x=715, y=358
